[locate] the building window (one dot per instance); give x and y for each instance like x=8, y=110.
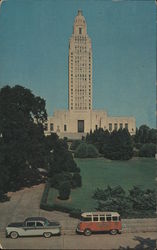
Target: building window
x=110, y=126
x=115, y=126
x=51, y=127
x=65, y=127
x=126, y=125
x=121, y=125
x=46, y=127
x=80, y=31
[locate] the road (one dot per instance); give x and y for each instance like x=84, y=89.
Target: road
x=25, y=203
x=102, y=241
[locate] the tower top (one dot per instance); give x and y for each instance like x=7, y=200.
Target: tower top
x=79, y=22
x=79, y=12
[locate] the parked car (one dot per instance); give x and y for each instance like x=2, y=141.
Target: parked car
x=99, y=222
x=33, y=226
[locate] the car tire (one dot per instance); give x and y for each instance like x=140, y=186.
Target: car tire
x=14, y=235
x=113, y=232
x=87, y=232
x=47, y=234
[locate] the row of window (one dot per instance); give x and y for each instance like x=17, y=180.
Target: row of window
x=52, y=127
x=115, y=126
x=101, y=218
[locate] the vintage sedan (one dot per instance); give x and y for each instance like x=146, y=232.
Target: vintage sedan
x=33, y=226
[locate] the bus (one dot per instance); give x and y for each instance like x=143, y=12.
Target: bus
x=99, y=222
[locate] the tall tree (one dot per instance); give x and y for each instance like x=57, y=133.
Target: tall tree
x=22, y=134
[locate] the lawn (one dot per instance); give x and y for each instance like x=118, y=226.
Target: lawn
x=100, y=173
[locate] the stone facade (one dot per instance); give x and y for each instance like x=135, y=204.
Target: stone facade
x=80, y=118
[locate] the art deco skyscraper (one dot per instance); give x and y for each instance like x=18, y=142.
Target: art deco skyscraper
x=80, y=66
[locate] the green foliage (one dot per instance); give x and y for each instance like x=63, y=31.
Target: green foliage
x=81, y=151
x=85, y=150
x=98, y=138
x=60, y=178
x=22, y=149
x=92, y=151
x=145, y=135
x=138, y=203
x=147, y=150
x=119, y=146
x=77, y=180
x=75, y=144
x=115, y=146
x=61, y=159
x=64, y=190
x=142, y=200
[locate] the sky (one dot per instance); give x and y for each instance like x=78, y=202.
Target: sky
x=34, y=40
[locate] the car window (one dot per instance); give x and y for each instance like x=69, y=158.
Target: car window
x=39, y=224
x=31, y=224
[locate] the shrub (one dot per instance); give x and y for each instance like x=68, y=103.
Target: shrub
x=138, y=203
x=86, y=151
x=75, y=144
x=92, y=151
x=147, y=150
x=81, y=151
x=64, y=190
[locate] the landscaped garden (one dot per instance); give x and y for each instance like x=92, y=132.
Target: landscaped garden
x=99, y=173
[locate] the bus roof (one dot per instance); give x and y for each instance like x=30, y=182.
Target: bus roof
x=86, y=214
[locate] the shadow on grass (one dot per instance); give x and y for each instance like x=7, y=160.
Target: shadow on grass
x=146, y=244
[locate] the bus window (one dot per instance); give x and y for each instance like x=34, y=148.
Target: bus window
x=108, y=218
x=95, y=218
x=86, y=218
x=102, y=218
x=114, y=218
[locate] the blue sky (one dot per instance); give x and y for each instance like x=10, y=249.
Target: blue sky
x=34, y=38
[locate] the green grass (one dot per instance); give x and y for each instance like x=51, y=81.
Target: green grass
x=98, y=173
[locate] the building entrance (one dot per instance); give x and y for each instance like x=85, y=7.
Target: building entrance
x=80, y=126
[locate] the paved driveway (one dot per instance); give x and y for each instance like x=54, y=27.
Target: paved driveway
x=25, y=203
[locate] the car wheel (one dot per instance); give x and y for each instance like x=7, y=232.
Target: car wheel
x=14, y=235
x=47, y=234
x=87, y=232
x=113, y=232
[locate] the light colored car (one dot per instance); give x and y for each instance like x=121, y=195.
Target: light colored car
x=33, y=226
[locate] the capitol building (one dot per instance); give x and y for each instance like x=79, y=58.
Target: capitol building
x=80, y=118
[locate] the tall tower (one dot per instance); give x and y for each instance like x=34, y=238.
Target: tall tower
x=80, y=66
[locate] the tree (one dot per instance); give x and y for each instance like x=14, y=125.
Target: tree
x=147, y=150
x=77, y=180
x=145, y=135
x=119, y=146
x=22, y=134
x=99, y=138
x=62, y=160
